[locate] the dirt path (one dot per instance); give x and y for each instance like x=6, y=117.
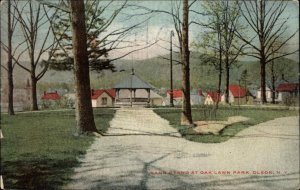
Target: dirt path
x=136, y=159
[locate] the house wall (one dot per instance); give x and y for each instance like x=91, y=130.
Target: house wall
x=156, y=101
x=98, y=102
x=195, y=100
x=208, y=101
x=268, y=94
x=231, y=98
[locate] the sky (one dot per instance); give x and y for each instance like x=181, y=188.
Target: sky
x=159, y=26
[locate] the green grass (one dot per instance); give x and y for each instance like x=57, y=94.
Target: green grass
x=256, y=116
x=39, y=149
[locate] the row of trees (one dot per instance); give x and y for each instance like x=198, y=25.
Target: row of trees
x=46, y=38
x=52, y=36
x=71, y=22
x=226, y=38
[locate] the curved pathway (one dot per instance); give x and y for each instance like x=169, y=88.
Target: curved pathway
x=150, y=155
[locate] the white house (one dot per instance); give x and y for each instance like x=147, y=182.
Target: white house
x=212, y=98
x=103, y=98
x=268, y=94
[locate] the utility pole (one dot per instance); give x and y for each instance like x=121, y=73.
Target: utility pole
x=171, y=71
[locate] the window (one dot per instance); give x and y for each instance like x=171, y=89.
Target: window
x=104, y=101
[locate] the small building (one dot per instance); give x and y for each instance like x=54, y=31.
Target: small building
x=238, y=95
x=212, y=98
x=268, y=94
x=50, y=96
x=177, y=97
x=141, y=95
x=103, y=98
x=287, y=90
x=128, y=91
x=196, y=97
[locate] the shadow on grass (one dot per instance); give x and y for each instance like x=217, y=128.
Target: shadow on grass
x=37, y=174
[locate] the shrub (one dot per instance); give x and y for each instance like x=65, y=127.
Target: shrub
x=64, y=102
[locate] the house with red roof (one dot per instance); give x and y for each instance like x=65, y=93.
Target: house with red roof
x=177, y=97
x=48, y=96
x=103, y=97
x=287, y=90
x=238, y=95
x=212, y=98
x=196, y=96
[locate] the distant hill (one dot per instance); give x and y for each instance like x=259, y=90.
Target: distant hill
x=156, y=71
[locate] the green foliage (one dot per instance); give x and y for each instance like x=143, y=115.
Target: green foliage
x=289, y=100
x=278, y=68
x=218, y=41
x=62, y=103
x=156, y=72
x=97, y=51
x=39, y=151
x=245, y=81
x=202, y=114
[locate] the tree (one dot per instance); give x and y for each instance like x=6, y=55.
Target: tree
x=219, y=37
x=101, y=40
x=84, y=112
x=33, y=23
x=181, y=26
x=244, y=78
x=186, y=115
x=265, y=19
x=277, y=70
x=10, y=28
x=13, y=53
x=212, y=42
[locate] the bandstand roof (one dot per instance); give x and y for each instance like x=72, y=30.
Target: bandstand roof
x=132, y=82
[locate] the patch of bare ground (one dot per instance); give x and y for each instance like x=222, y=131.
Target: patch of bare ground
x=214, y=127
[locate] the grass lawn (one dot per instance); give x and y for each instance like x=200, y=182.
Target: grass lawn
x=39, y=151
x=256, y=116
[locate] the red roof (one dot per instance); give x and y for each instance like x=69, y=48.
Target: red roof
x=237, y=91
x=50, y=96
x=96, y=93
x=215, y=96
x=176, y=93
x=287, y=87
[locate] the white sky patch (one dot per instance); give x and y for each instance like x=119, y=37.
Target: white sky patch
x=143, y=39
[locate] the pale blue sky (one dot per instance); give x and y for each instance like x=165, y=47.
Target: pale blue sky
x=160, y=25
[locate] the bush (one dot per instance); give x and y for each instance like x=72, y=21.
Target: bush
x=64, y=102
x=289, y=100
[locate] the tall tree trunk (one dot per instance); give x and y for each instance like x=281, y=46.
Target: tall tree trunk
x=262, y=52
x=34, y=93
x=186, y=116
x=219, y=87
x=84, y=112
x=220, y=74
x=273, y=82
x=9, y=65
x=263, y=82
x=227, y=81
